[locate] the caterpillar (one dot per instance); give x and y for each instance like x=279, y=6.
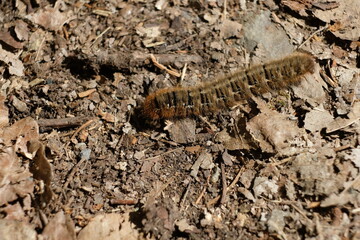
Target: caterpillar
x=225, y=91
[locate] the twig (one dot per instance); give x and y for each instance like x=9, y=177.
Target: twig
x=62, y=122
x=203, y=190
x=38, y=51
x=319, y=228
x=212, y=127
x=281, y=162
x=224, y=184
x=81, y=128
x=224, y=11
x=184, y=197
x=99, y=36
x=313, y=34
x=162, y=67
x=123, y=202
x=162, y=154
x=236, y=179
x=73, y=171
x=183, y=73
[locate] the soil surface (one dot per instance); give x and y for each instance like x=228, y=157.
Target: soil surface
x=80, y=161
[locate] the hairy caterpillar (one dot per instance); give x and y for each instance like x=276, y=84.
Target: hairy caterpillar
x=224, y=92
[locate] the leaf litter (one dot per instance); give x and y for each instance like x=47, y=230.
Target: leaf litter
x=284, y=165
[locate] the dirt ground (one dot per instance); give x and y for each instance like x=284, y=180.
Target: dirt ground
x=79, y=161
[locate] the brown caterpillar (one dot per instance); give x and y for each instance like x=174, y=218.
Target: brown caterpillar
x=224, y=92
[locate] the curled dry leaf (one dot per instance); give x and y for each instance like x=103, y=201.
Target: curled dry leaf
x=9, y=40
x=15, y=65
x=22, y=137
x=40, y=168
x=204, y=161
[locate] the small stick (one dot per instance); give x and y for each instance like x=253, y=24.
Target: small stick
x=99, y=36
x=38, y=51
x=162, y=67
x=73, y=171
x=203, y=191
x=212, y=127
x=184, y=197
x=123, y=202
x=224, y=184
x=224, y=12
x=183, y=73
x=62, y=122
x=81, y=128
x=236, y=179
x=313, y=34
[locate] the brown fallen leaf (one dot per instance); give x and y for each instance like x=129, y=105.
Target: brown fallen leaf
x=15, y=66
x=21, y=132
x=49, y=18
x=181, y=131
x=86, y=93
x=16, y=181
x=106, y=116
x=317, y=119
x=6, y=37
x=15, y=212
x=41, y=169
x=13, y=229
x=61, y=227
x=299, y=6
x=21, y=30
x=273, y=131
x=346, y=15
x=340, y=123
x=111, y=226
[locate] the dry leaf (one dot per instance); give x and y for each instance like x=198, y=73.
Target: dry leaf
x=317, y=119
x=16, y=67
x=41, y=168
x=111, y=226
x=340, y=123
x=347, y=14
x=4, y=113
x=15, y=180
x=273, y=131
x=231, y=29
x=106, y=116
x=49, y=18
x=9, y=40
x=61, y=227
x=182, y=131
x=13, y=230
x=21, y=30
